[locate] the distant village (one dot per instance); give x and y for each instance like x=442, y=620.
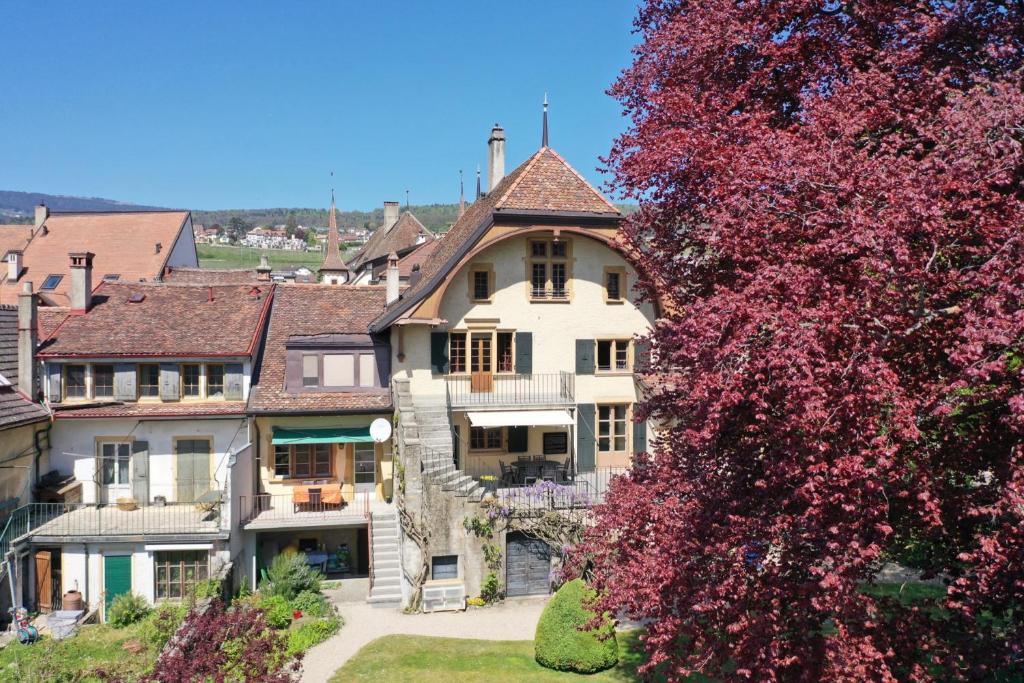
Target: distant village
x=301, y=238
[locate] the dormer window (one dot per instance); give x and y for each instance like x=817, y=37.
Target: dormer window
x=310, y=370
x=74, y=381
x=332, y=370
x=190, y=387
x=103, y=381
x=149, y=380
x=215, y=381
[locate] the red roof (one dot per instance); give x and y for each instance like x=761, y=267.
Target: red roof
x=403, y=236
x=185, y=409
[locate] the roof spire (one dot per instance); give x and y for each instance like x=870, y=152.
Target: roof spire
x=462, y=196
x=332, y=254
x=479, y=194
x=544, y=133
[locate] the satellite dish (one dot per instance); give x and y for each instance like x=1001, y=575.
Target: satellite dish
x=380, y=430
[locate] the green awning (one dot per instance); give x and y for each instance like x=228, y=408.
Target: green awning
x=322, y=435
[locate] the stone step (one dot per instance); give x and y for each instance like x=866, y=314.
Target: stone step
x=385, y=543
x=385, y=582
x=385, y=555
x=382, y=565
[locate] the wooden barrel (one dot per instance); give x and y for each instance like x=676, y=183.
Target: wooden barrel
x=73, y=601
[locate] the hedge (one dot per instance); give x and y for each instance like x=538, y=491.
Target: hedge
x=561, y=645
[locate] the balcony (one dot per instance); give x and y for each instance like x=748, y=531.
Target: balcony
x=549, y=487
x=266, y=511
x=494, y=390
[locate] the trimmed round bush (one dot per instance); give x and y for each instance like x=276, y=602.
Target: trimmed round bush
x=561, y=645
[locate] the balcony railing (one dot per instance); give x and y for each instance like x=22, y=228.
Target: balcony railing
x=549, y=293
x=548, y=487
x=466, y=391
x=283, y=510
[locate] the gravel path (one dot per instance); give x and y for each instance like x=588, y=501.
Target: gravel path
x=512, y=620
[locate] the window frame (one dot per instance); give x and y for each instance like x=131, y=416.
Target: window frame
x=65, y=384
x=356, y=354
x=464, y=353
x=621, y=273
x=612, y=422
x=96, y=385
x=161, y=561
x=487, y=270
x=199, y=381
x=56, y=282
x=486, y=434
x=208, y=394
x=139, y=375
x=291, y=451
x=548, y=260
x=613, y=352
x=447, y=563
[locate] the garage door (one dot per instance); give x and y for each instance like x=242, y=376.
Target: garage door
x=527, y=565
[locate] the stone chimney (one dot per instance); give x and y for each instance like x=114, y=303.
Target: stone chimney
x=495, y=157
x=263, y=269
x=391, y=292
x=390, y=215
x=28, y=340
x=14, y=265
x=42, y=213
x=81, y=281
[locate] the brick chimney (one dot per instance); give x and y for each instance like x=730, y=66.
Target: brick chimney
x=263, y=269
x=28, y=340
x=42, y=213
x=495, y=157
x=14, y=265
x=390, y=215
x=81, y=281
x=391, y=291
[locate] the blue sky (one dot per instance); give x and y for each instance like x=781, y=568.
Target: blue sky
x=245, y=105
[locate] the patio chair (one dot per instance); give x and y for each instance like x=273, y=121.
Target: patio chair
x=508, y=474
x=563, y=473
x=530, y=473
x=539, y=458
x=549, y=473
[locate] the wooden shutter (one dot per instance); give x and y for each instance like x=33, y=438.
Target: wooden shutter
x=518, y=439
x=233, y=381
x=639, y=437
x=586, y=442
x=439, y=353
x=524, y=353
x=140, y=471
x=124, y=382
x=55, y=391
x=585, y=356
x=170, y=384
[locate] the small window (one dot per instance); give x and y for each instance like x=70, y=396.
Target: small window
x=310, y=371
x=302, y=461
x=111, y=277
x=74, y=381
x=339, y=370
x=539, y=249
x=282, y=461
x=457, y=352
x=149, y=380
x=444, y=567
x=364, y=457
x=506, y=361
x=51, y=281
x=215, y=381
x=556, y=443
x=612, y=355
x=485, y=438
x=539, y=279
x=103, y=381
x=611, y=429
x=177, y=574
x=190, y=381
x=559, y=250
x=481, y=285
x=367, y=370
x=322, y=459
x=613, y=280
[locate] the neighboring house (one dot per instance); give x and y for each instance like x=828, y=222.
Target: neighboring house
x=324, y=486
x=129, y=246
x=148, y=384
x=401, y=234
x=219, y=276
x=515, y=341
x=411, y=265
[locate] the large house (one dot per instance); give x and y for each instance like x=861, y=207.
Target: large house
x=401, y=234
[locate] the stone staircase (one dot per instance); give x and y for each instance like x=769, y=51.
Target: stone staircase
x=435, y=440
x=387, y=572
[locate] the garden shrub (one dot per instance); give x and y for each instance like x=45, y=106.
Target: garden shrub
x=162, y=623
x=279, y=610
x=210, y=588
x=290, y=575
x=561, y=645
x=312, y=633
x=311, y=604
x=126, y=609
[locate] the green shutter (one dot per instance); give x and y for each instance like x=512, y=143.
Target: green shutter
x=585, y=356
x=640, y=436
x=117, y=577
x=439, y=353
x=524, y=353
x=518, y=439
x=586, y=445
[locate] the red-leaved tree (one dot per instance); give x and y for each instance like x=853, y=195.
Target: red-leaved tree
x=831, y=208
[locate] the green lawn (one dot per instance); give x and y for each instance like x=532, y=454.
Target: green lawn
x=444, y=660
x=211, y=256
x=96, y=648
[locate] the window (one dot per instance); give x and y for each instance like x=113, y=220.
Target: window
x=74, y=381
x=611, y=428
x=215, y=381
x=444, y=567
x=614, y=285
x=549, y=269
x=310, y=371
x=111, y=277
x=178, y=573
x=480, y=284
x=149, y=380
x=485, y=438
x=367, y=370
x=322, y=460
x=190, y=381
x=282, y=461
x=612, y=355
x=51, y=282
x=506, y=360
x=339, y=370
x=103, y=381
x=115, y=463
x=457, y=352
x=302, y=460
x=365, y=459
x=556, y=443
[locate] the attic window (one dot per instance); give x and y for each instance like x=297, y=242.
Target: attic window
x=111, y=277
x=137, y=298
x=51, y=281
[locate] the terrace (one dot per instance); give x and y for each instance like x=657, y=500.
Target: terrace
x=266, y=511
x=499, y=389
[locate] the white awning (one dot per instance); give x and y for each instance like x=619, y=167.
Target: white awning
x=521, y=418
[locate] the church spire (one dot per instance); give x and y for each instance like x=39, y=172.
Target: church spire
x=333, y=269
x=544, y=133
x=462, y=196
x=479, y=194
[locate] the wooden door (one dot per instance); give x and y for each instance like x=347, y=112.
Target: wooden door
x=480, y=363
x=44, y=580
x=527, y=565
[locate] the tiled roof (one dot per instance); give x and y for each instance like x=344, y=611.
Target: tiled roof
x=544, y=182
x=15, y=409
x=123, y=242
x=210, y=276
x=50, y=317
x=305, y=310
x=417, y=258
x=402, y=237
x=143, y=409
x=170, y=320
x=13, y=237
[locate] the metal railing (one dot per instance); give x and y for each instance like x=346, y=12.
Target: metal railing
x=554, y=487
x=550, y=293
x=513, y=390
x=284, y=508
x=92, y=519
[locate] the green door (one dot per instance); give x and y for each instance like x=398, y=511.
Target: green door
x=117, y=576
x=193, y=463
